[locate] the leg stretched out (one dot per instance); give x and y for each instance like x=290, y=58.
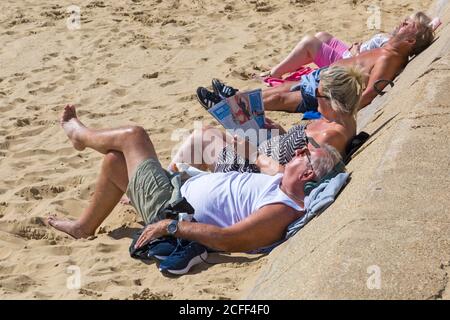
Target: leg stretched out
x=124, y=148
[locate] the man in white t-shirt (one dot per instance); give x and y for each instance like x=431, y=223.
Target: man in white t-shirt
x=233, y=211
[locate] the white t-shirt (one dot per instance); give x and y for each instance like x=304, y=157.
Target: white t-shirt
x=224, y=199
x=377, y=41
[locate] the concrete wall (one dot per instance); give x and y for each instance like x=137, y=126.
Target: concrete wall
x=394, y=216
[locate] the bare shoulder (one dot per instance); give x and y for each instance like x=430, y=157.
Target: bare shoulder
x=336, y=137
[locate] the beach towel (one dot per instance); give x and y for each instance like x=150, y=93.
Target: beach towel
x=318, y=200
x=295, y=76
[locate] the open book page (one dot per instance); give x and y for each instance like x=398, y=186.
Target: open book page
x=243, y=114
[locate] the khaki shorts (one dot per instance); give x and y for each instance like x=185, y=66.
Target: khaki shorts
x=150, y=190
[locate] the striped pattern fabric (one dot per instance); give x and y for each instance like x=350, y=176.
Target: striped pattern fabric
x=280, y=148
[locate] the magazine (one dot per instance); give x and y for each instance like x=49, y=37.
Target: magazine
x=243, y=114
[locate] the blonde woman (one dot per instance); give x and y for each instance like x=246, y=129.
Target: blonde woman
x=338, y=96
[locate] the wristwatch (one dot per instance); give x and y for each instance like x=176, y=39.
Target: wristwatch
x=172, y=228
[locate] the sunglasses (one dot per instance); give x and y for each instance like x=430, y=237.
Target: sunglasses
x=308, y=154
x=313, y=142
x=318, y=95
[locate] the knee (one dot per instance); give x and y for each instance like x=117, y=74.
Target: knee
x=323, y=36
x=205, y=130
x=308, y=39
x=199, y=134
x=136, y=133
x=206, y=133
x=282, y=99
x=113, y=159
x=275, y=98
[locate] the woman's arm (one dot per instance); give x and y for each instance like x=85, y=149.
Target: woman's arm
x=268, y=165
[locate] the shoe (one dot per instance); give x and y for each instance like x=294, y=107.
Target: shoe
x=160, y=249
x=207, y=98
x=184, y=258
x=222, y=90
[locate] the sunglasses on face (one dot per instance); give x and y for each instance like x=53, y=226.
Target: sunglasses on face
x=313, y=142
x=318, y=95
x=308, y=153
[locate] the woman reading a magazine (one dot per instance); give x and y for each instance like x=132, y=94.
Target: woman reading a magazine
x=338, y=96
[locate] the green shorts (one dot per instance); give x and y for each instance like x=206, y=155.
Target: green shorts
x=150, y=190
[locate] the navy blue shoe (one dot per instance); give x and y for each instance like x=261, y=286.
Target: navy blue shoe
x=222, y=90
x=207, y=98
x=160, y=249
x=184, y=258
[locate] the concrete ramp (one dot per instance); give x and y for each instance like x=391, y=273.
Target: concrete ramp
x=388, y=234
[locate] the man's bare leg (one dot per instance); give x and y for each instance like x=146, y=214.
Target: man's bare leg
x=132, y=141
x=131, y=145
x=303, y=53
x=110, y=186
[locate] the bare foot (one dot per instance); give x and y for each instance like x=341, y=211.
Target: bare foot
x=72, y=228
x=265, y=74
x=72, y=126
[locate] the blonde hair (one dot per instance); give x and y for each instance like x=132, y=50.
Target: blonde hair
x=344, y=86
x=425, y=34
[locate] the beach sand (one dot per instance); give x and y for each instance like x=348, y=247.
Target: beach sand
x=131, y=62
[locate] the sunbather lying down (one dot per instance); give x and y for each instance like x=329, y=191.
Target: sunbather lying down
x=242, y=211
x=214, y=150
x=323, y=49
x=383, y=63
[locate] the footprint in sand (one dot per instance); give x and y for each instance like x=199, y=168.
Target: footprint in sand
x=33, y=84
x=133, y=104
x=96, y=4
x=263, y=6
x=98, y=83
x=150, y=75
x=48, y=57
x=54, y=14
x=40, y=192
x=112, y=65
x=187, y=98
x=119, y=92
x=22, y=122
x=230, y=60
x=148, y=294
x=168, y=83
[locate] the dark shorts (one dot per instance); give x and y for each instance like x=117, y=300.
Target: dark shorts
x=307, y=86
x=150, y=190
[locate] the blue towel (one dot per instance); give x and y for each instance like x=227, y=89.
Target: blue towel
x=318, y=200
x=312, y=115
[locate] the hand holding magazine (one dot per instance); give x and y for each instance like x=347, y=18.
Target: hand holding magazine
x=243, y=114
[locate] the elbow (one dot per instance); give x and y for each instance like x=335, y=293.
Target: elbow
x=228, y=242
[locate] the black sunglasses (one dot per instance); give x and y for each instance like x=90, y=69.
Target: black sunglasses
x=321, y=96
x=313, y=142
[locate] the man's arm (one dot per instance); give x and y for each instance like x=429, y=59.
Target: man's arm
x=385, y=68
x=262, y=228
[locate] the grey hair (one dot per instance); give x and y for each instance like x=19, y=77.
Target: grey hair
x=326, y=162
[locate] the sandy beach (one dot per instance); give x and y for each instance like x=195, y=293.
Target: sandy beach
x=130, y=62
